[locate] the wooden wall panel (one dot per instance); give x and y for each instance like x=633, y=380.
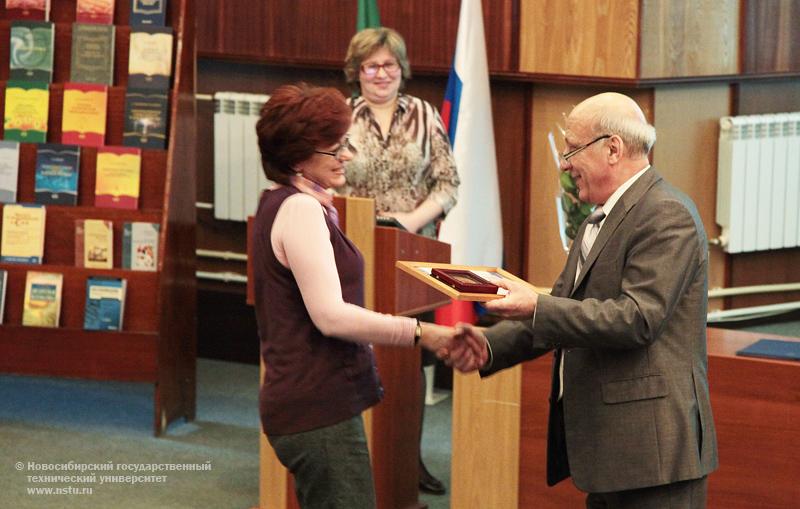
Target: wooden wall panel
x=510, y=113
x=430, y=28
x=689, y=38
x=771, y=36
x=534, y=412
x=687, y=125
x=768, y=267
x=234, y=27
x=485, y=440
x=756, y=97
x=546, y=257
x=318, y=31
x=309, y=30
x=579, y=37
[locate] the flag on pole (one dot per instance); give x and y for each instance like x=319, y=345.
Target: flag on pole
x=473, y=227
x=368, y=15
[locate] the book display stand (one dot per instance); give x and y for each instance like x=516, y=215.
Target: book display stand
x=157, y=343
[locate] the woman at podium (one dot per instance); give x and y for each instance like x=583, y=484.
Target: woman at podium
x=401, y=154
x=309, y=296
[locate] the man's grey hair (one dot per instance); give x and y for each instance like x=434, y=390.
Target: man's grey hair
x=638, y=136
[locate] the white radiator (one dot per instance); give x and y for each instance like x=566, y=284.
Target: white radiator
x=758, y=182
x=238, y=177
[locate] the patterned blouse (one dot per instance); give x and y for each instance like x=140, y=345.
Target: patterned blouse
x=412, y=163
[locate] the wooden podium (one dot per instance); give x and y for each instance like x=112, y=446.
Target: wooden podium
x=392, y=426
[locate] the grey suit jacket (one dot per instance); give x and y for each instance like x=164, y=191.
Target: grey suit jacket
x=636, y=405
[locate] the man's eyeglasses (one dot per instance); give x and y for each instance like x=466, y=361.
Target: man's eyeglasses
x=337, y=152
x=574, y=151
x=371, y=70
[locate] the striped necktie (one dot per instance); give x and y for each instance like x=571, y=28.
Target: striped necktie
x=590, y=235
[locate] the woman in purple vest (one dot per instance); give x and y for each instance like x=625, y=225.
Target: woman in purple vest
x=309, y=292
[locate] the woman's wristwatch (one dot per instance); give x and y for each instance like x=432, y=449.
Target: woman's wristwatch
x=417, y=333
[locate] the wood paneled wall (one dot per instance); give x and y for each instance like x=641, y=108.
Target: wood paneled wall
x=317, y=32
x=597, y=38
x=682, y=38
x=772, y=36
x=689, y=160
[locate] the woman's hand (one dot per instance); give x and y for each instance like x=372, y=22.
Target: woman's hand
x=436, y=338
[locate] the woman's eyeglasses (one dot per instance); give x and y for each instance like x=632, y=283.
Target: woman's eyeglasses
x=337, y=152
x=371, y=70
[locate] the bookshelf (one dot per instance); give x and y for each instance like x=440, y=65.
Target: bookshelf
x=158, y=342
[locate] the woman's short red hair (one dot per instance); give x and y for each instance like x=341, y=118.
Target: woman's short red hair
x=296, y=121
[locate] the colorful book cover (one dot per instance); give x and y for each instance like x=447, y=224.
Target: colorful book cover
x=145, y=119
x=31, y=51
x=94, y=243
x=28, y=9
x=117, y=177
x=42, y=305
x=150, y=57
x=148, y=12
x=27, y=105
x=105, y=303
x=23, y=233
x=140, y=246
x=9, y=171
x=3, y=284
x=57, y=170
x=92, y=54
x=84, y=116
x=95, y=11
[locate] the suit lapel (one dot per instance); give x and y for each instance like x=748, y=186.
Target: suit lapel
x=612, y=222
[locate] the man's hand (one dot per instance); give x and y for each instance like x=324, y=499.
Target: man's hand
x=519, y=304
x=468, y=350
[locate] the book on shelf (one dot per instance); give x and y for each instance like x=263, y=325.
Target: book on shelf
x=31, y=51
x=84, y=116
x=9, y=171
x=57, y=170
x=140, y=246
x=145, y=119
x=94, y=243
x=117, y=177
x=3, y=284
x=150, y=57
x=92, y=58
x=23, y=233
x=28, y=9
x=95, y=11
x=105, y=303
x=26, y=109
x=148, y=12
x=42, y=305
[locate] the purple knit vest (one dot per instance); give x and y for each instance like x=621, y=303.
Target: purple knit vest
x=311, y=380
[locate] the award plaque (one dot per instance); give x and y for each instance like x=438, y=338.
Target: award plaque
x=464, y=281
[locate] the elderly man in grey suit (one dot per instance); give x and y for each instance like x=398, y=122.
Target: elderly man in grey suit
x=630, y=418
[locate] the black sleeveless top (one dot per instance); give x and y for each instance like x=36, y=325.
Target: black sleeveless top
x=311, y=380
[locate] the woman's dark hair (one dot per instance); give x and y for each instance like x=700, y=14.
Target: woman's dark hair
x=296, y=121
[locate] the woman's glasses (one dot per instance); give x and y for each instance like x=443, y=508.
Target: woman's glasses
x=371, y=70
x=337, y=152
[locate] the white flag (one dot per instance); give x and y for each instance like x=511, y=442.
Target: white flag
x=473, y=227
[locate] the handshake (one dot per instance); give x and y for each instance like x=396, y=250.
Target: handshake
x=462, y=347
